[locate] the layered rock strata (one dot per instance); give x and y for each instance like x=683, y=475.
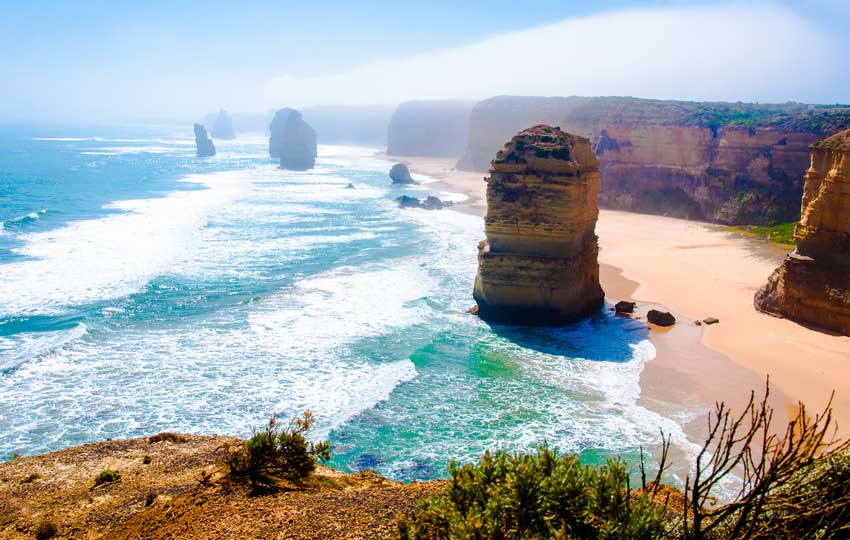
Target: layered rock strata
x=539, y=264
x=292, y=140
x=734, y=163
x=203, y=145
x=813, y=284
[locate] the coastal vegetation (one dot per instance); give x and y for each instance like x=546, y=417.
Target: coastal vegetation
x=794, y=485
x=278, y=453
x=780, y=233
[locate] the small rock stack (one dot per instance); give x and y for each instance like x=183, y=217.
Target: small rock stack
x=539, y=264
x=203, y=145
x=813, y=284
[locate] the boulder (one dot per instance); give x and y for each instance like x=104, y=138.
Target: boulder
x=292, y=140
x=711, y=320
x=432, y=203
x=349, y=186
x=203, y=145
x=660, y=318
x=812, y=286
x=624, y=306
x=538, y=264
x=407, y=202
x=400, y=174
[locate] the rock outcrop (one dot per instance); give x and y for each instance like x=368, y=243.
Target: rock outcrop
x=732, y=163
x=203, y=145
x=222, y=126
x=539, y=264
x=430, y=202
x=660, y=318
x=292, y=140
x=430, y=128
x=813, y=284
x=400, y=174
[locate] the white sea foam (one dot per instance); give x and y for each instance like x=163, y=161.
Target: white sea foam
x=113, y=256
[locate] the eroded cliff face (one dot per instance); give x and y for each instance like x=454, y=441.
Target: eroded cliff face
x=432, y=128
x=292, y=140
x=813, y=284
x=728, y=163
x=539, y=264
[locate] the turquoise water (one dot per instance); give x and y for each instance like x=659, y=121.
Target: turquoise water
x=143, y=289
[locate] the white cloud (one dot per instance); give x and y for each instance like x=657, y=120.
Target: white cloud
x=730, y=53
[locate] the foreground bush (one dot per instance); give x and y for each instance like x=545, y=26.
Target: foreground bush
x=539, y=496
x=277, y=454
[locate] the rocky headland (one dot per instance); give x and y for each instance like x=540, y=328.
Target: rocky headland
x=732, y=163
x=539, y=264
x=813, y=284
x=173, y=486
x=429, y=128
x=292, y=140
x=203, y=144
x=220, y=125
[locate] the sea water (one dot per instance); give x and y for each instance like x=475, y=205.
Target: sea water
x=143, y=289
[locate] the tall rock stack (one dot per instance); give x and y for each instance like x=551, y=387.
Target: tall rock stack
x=539, y=264
x=813, y=284
x=292, y=140
x=203, y=144
x=222, y=126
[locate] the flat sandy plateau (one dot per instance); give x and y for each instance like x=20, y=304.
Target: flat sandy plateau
x=698, y=270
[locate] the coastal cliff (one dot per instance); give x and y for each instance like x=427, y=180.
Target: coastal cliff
x=430, y=128
x=731, y=163
x=539, y=264
x=203, y=145
x=173, y=487
x=813, y=284
x=292, y=140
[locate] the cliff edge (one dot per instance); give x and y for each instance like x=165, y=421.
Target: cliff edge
x=813, y=284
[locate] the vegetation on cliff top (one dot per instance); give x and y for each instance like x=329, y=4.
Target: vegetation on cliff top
x=795, y=485
x=780, y=233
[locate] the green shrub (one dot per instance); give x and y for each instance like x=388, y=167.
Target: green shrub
x=539, y=496
x=106, y=476
x=275, y=453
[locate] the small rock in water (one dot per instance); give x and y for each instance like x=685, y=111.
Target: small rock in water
x=432, y=203
x=401, y=175
x=711, y=320
x=406, y=201
x=660, y=318
x=698, y=322
x=349, y=186
x=624, y=306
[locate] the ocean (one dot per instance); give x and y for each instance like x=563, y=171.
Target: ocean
x=143, y=289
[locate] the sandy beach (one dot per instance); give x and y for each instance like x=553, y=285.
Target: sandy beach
x=698, y=270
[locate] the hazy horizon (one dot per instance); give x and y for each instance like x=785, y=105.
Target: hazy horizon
x=165, y=62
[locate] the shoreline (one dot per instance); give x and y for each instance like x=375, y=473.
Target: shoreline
x=698, y=270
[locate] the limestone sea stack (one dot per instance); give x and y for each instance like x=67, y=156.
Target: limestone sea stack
x=292, y=140
x=813, y=284
x=222, y=127
x=539, y=264
x=203, y=144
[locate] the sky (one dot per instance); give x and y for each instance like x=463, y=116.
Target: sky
x=102, y=61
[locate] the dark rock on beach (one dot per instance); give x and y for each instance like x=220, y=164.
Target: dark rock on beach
x=660, y=318
x=203, y=144
x=624, y=306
